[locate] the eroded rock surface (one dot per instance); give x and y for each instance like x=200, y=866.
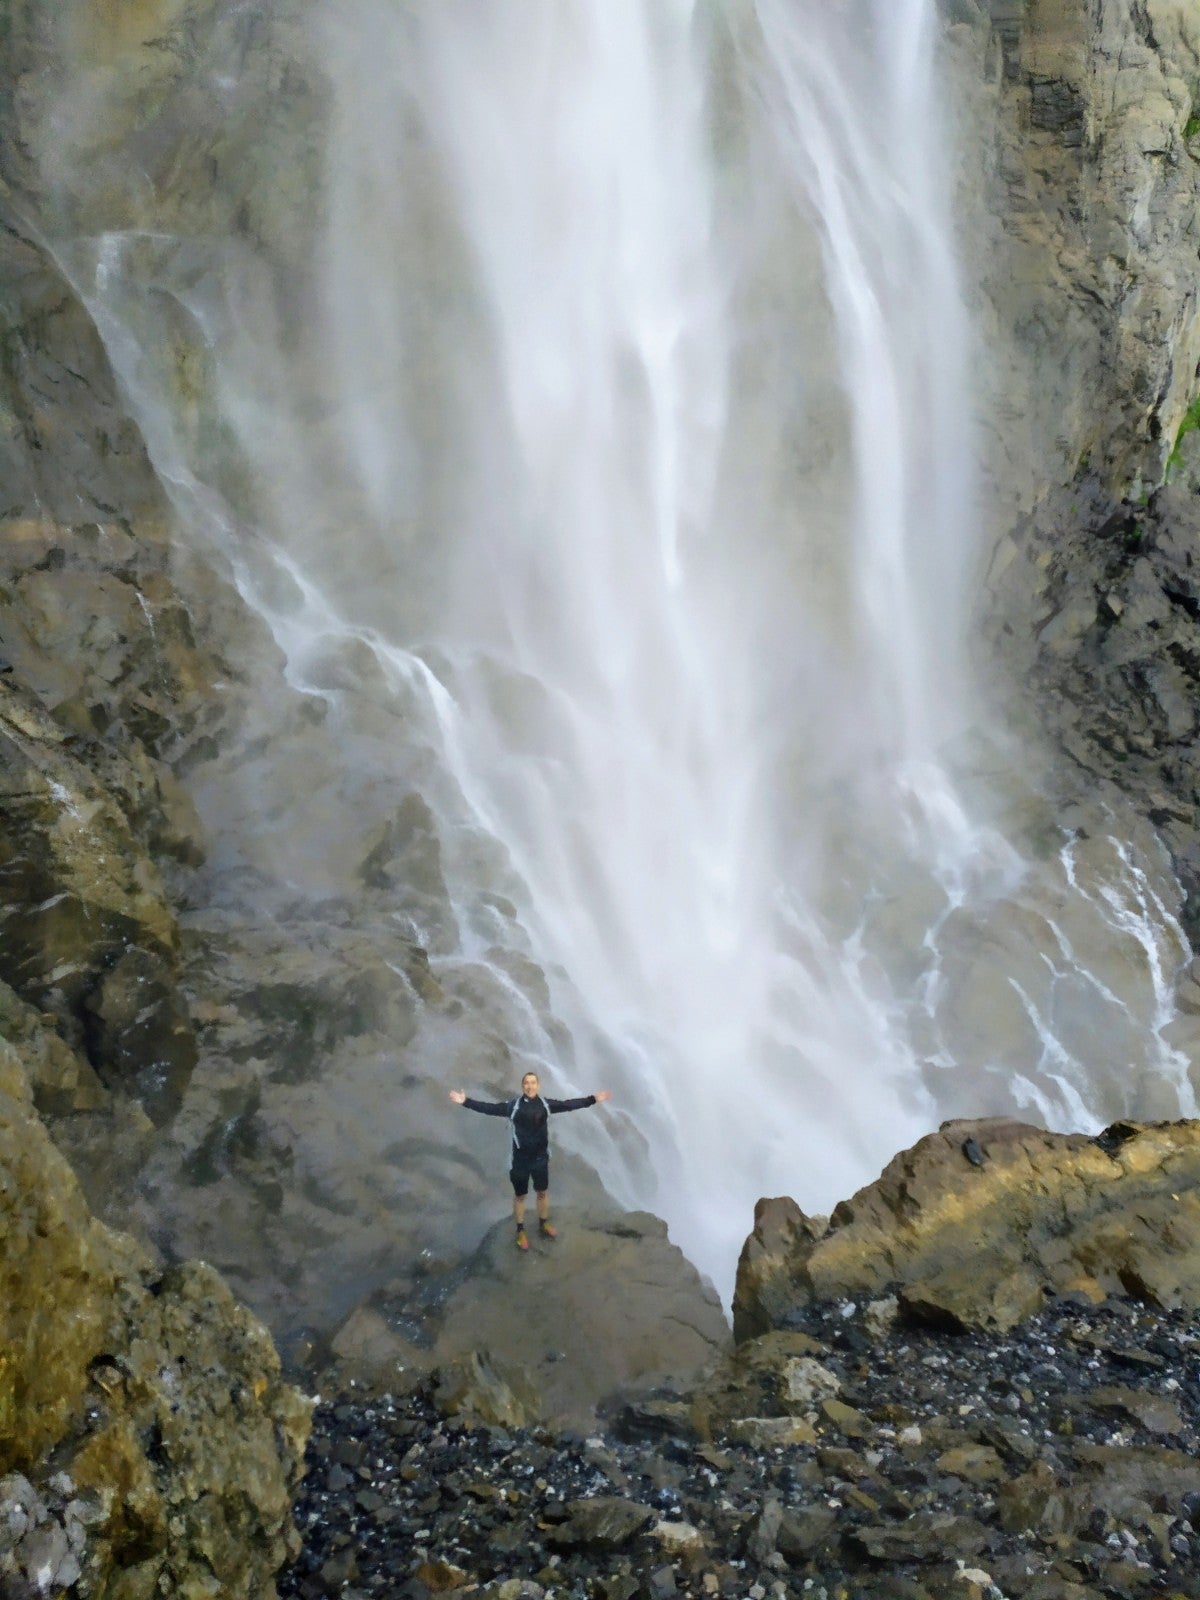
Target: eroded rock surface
x=979, y=1237
x=1080, y=121
x=147, y=1443
x=609, y=1309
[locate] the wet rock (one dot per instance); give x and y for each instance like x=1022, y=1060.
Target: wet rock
x=81, y=897
x=763, y=1532
x=679, y=1539
x=441, y=1577
x=771, y=1511
x=584, y=1313
x=1156, y=1413
x=924, y=1537
x=761, y=1379
x=804, y=1530
x=176, y=1447
x=806, y=1383
x=982, y=1246
x=605, y=1522
x=975, y=1463
x=476, y=1385
x=1053, y=132
x=764, y=1291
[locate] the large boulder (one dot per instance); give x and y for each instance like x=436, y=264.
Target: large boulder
x=607, y=1311
x=146, y=1439
x=976, y=1224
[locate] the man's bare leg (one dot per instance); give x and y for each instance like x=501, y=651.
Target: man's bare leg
x=543, y=1211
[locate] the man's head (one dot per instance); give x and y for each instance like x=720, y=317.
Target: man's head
x=529, y=1085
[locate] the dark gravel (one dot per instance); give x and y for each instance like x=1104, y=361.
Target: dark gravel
x=1058, y=1462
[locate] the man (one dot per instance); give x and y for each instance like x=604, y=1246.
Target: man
x=529, y=1114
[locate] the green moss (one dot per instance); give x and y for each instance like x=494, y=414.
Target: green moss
x=1191, y=421
x=1191, y=127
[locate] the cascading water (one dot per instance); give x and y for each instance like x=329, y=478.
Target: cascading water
x=612, y=425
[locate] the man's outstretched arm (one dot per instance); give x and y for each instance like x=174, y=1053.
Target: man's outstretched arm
x=489, y=1108
x=582, y=1103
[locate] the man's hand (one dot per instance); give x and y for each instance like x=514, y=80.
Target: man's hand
x=458, y=1096
x=603, y=1094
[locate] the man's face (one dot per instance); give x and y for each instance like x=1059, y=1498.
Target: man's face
x=529, y=1085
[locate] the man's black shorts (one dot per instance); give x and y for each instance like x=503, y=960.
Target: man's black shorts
x=521, y=1172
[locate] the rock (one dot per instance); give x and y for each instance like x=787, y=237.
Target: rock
x=159, y=1398
x=1124, y=1479
x=1057, y=135
x=367, y=1350
x=763, y=1531
x=845, y=1419
x=656, y=1419
x=604, y=1522
x=770, y=1433
x=756, y=1380
x=880, y=1315
x=660, y=1583
x=62, y=1080
x=762, y=1294
x=804, y=1530
x=441, y=1577
x=476, y=1385
x=975, y=1463
x=924, y=1537
x=141, y=1030
x=81, y=898
x=1032, y=1501
x=972, y=1246
x=584, y=1314
x=679, y=1539
x=806, y=1383
x=1156, y=1413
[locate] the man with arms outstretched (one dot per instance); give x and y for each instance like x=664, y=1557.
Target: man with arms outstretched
x=529, y=1115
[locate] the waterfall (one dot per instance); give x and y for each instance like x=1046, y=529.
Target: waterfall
x=610, y=428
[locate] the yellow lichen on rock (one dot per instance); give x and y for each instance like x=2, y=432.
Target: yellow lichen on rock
x=157, y=1394
x=980, y=1243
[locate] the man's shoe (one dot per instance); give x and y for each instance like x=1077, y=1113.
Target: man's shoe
x=547, y=1230
x=522, y=1239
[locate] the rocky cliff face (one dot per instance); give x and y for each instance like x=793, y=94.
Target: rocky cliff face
x=1083, y=251
x=147, y=1443
x=1082, y=247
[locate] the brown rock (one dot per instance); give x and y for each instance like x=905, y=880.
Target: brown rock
x=1156, y=1413
x=602, y=1521
x=782, y=1235
x=973, y=1463
x=583, y=1315
x=159, y=1396
x=969, y=1245
x=476, y=1385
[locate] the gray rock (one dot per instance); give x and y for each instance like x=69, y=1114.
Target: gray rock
x=584, y=1314
x=46, y=1558
x=763, y=1535
x=605, y=1522
x=477, y=1385
x=926, y=1536
x=803, y=1530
